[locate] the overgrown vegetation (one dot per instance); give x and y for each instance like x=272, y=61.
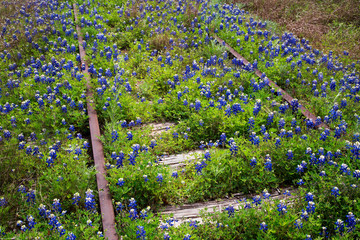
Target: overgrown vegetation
x=329, y=25
x=155, y=62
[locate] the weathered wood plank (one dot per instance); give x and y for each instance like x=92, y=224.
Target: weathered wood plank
x=180, y=160
x=158, y=128
x=188, y=212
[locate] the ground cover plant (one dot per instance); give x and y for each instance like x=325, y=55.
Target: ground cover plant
x=47, y=180
x=158, y=61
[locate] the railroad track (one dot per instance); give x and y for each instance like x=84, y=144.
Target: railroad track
x=284, y=94
x=106, y=206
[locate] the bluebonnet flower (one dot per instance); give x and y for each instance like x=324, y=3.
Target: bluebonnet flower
x=304, y=215
x=251, y=123
x=322, y=174
x=230, y=209
x=207, y=155
x=53, y=222
x=355, y=150
x=318, y=121
x=290, y=154
x=193, y=224
x=56, y=205
x=335, y=192
x=187, y=237
x=89, y=223
x=294, y=105
x=253, y=162
x=351, y=222
x=78, y=151
x=247, y=204
x=344, y=169
x=31, y=222
x=153, y=143
x=257, y=107
x=277, y=142
x=200, y=166
x=298, y=224
x=30, y=196
x=282, y=208
x=133, y=214
x=266, y=194
x=145, y=178
x=3, y=202
x=337, y=134
x=64, y=108
x=71, y=236
x=132, y=203
x=19, y=223
x=132, y=158
x=323, y=136
x=7, y=134
x=175, y=174
x=309, y=197
x=120, y=182
x=266, y=137
x=256, y=200
x=90, y=201
x=310, y=207
x=270, y=118
x=268, y=165
x=263, y=129
x=300, y=182
x=201, y=122
x=300, y=168
x=309, y=123
x=281, y=123
x=222, y=138
x=343, y=103
x=159, y=178
x=263, y=227
x=304, y=137
x=339, y=226
x=129, y=136
x=308, y=237
x=143, y=214
x=356, y=174
x=42, y=211
x=308, y=151
x=171, y=221
x=282, y=133
x=324, y=232
x=233, y=149
x=23, y=228
x=76, y=198
x=166, y=236
x=114, y=136
x=119, y=206
x=197, y=105
x=356, y=137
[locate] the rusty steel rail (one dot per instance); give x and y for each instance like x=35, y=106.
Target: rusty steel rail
x=284, y=94
x=106, y=206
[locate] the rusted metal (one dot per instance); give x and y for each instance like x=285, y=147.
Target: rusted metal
x=284, y=94
x=106, y=206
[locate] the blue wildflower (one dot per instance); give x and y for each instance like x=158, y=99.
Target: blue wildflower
x=263, y=227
